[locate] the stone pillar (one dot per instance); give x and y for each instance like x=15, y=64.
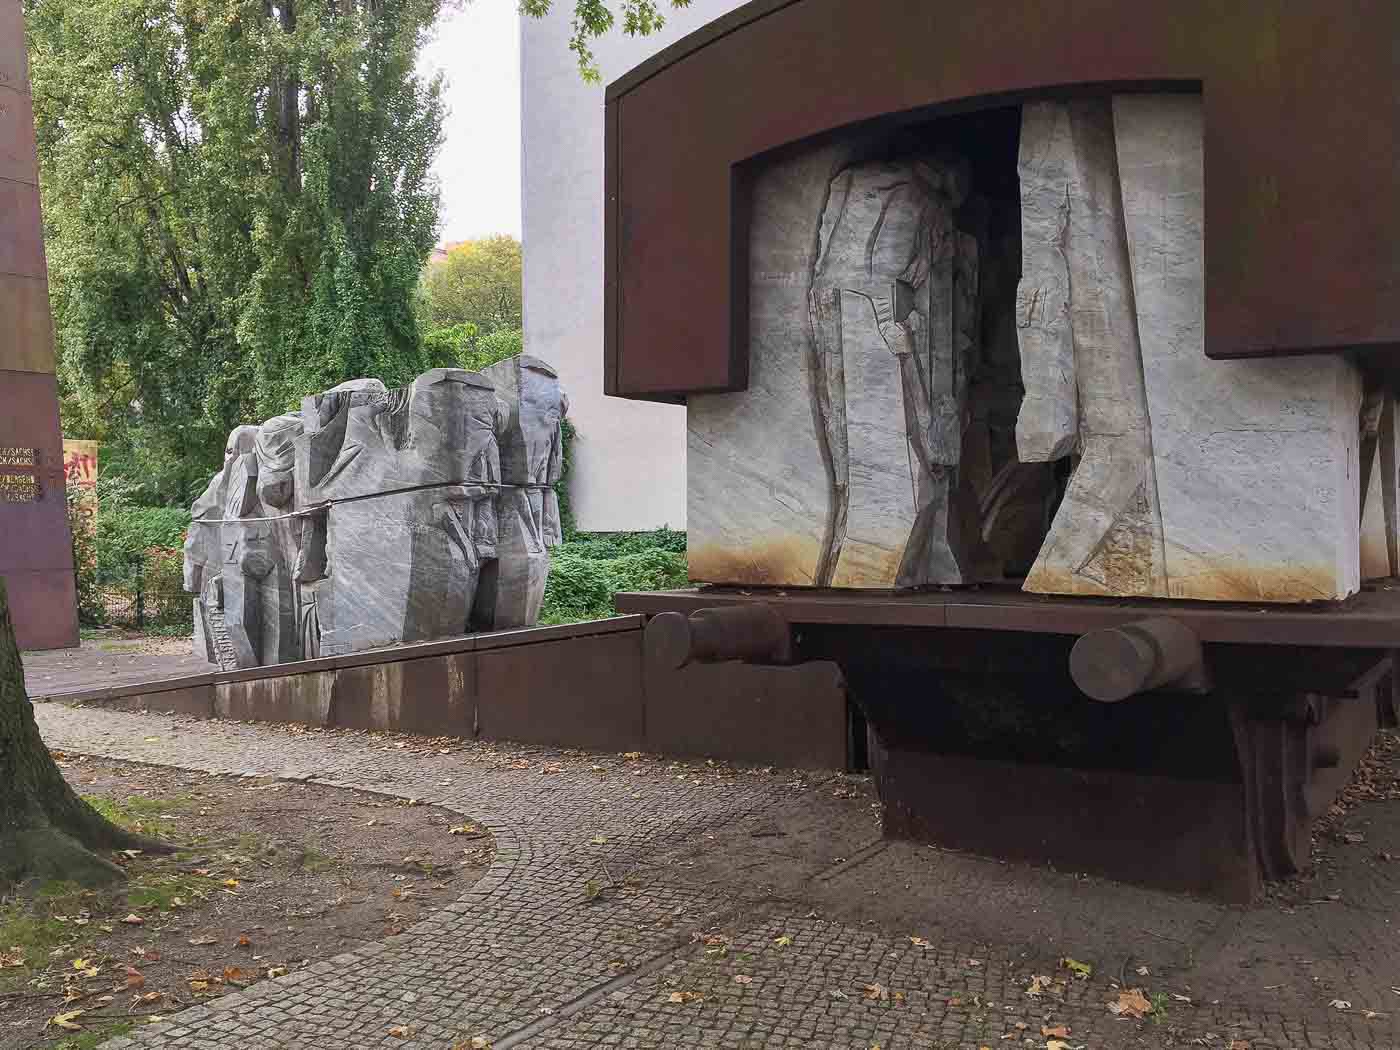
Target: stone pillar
x=36, y=559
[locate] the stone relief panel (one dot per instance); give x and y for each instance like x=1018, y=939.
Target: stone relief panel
x=377, y=516
x=955, y=380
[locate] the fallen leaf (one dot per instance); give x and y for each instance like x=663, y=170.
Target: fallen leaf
x=231, y=883
x=684, y=997
x=1038, y=984
x=276, y=971
x=599, y=840
x=1056, y=1044
x=154, y=1019
x=782, y=942
x=1181, y=998
x=134, y=979
x=244, y=942
x=1237, y=1044
x=1340, y=1004
x=1371, y=1015
x=199, y=986
x=1079, y=969
x=919, y=942
x=463, y=829
x=1131, y=1003
x=203, y=940
x=1059, y=1031
x=148, y=997
x=1143, y=971
x=742, y=978
x=401, y=1031
x=67, y=1021
x=82, y=964
x=134, y=920
x=237, y=975
x=877, y=991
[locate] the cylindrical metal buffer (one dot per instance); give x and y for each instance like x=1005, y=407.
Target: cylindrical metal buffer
x=756, y=633
x=1119, y=662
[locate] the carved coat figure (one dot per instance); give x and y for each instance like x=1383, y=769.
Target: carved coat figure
x=893, y=311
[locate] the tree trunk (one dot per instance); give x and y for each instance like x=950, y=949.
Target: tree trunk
x=46, y=830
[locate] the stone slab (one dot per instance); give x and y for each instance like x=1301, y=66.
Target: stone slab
x=1256, y=462
x=759, y=494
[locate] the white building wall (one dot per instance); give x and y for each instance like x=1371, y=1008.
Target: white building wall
x=629, y=460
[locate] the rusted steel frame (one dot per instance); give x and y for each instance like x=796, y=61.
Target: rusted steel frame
x=1116, y=663
x=1294, y=261
x=754, y=633
x=1370, y=620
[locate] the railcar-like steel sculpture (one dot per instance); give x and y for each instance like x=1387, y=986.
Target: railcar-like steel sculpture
x=1040, y=369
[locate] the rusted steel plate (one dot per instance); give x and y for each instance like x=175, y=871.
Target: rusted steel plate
x=14, y=60
x=17, y=157
x=1302, y=126
x=575, y=692
x=1155, y=831
x=1369, y=620
x=789, y=716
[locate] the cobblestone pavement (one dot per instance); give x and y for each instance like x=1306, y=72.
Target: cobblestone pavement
x=635, y=902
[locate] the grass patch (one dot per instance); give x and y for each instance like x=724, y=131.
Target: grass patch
x=152, y=817
x=95, y=1038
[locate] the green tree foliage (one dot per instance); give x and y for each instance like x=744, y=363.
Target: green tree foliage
x=592, y=19
x=479, y=283
x=238, y=205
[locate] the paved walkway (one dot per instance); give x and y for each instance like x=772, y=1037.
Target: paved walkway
x=111, y=658
x=639, y=903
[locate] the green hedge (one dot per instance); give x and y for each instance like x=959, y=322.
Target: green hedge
x=587, y=571
x=125, y=533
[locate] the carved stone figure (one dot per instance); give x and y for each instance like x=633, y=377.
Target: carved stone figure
x=371, y=517
x=894, y=316
x=531, y=464
x=977, y=361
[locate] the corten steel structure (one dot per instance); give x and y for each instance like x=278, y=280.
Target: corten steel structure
x=36, y=555
x=1238, y=724
x=1302, y=153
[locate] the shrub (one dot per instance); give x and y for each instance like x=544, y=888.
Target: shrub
x=587, y=571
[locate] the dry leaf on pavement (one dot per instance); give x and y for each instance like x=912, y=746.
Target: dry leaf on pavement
x=1131, y=1003
x=67, y=1021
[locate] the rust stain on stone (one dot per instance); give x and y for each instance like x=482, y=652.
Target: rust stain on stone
x=1221, y=582
x=787, y=561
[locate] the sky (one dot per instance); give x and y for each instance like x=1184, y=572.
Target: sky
x=477, y=46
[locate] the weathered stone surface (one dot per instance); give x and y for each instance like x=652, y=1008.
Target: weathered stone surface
x=876, y=399
x=887, y=437
x=1107, y=535
x=371, y=517
x=527, y=512
x=760, y=489
x=1380, y=514
x=1048, y=425
x=1256, y=461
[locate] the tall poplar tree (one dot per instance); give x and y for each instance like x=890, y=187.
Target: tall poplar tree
x=238, y=203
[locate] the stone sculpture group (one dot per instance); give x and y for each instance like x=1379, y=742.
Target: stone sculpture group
x=377, y=516
x=934, y=400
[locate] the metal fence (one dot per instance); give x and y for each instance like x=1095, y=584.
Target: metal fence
x=140, y=604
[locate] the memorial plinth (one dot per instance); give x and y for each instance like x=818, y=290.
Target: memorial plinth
x=36, y=555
